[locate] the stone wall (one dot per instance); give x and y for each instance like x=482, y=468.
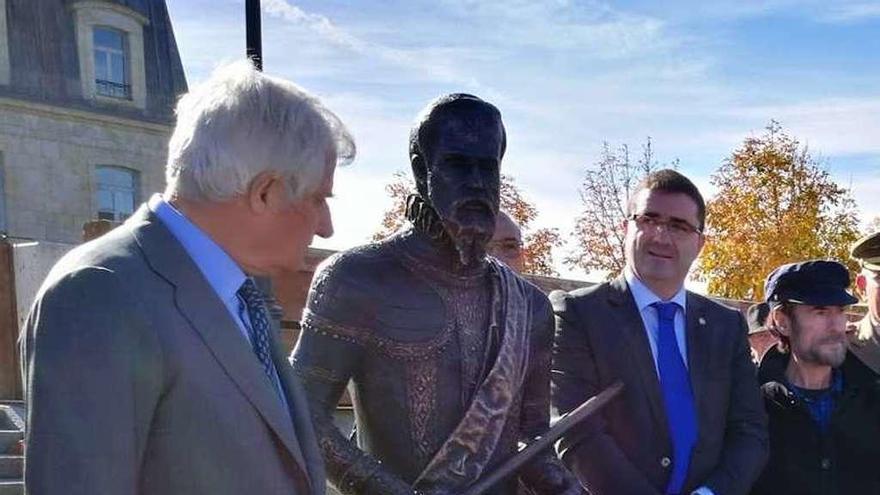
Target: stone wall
x=32, y=262
x=49, y=155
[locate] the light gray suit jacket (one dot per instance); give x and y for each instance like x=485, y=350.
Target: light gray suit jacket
x=138, y=380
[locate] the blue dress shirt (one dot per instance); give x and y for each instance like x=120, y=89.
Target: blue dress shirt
x=219, y=269
x=644, y=298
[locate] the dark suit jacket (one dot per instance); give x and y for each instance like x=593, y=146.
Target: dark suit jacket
x=626, y=450
x=138, y=380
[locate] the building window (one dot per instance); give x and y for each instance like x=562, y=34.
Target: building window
x=117, y=193
x=111, y=71
x=110, y=47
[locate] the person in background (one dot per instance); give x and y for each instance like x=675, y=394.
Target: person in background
x=865, y=334
x=760, y=338
x=822, y=402
x=506, y=244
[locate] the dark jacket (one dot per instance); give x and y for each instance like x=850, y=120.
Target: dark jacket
x=805, y=461
x=626, y=450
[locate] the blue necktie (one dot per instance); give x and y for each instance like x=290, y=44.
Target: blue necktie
x=259, y=328
x=677, y=396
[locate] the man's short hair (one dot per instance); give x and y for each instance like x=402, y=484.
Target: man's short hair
x=423, y=134
x=671, y=182
x=783, y=341
x=240, y=123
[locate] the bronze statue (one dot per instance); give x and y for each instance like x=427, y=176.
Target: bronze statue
x=447, y=350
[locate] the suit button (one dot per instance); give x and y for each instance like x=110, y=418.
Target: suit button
x=665, y=462
x=826, y=463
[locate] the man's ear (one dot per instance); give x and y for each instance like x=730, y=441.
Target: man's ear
x=266, y=192
x=703, y=238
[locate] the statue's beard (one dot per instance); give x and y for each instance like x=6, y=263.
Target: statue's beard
x=469, y=240
x=468, y=226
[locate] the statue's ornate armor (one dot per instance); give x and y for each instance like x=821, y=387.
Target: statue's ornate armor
x=417, y=343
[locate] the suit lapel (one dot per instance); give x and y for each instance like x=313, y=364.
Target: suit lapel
x=628, y=319
x=297, y=405
x=199, y=304
x=699, y=347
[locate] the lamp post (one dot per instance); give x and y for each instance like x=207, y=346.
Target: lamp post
x=253, y=33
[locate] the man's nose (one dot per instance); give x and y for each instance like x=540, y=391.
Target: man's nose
x=474, y=177
x=662, y=233
x=839, y=322
x=325, y=224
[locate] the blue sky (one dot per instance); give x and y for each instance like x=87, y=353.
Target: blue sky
x=697, y=77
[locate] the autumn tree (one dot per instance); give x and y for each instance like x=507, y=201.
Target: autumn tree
x=537, y=244
x=604, y=193
x=775, y=204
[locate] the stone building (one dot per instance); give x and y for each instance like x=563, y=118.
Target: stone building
x=87, y=91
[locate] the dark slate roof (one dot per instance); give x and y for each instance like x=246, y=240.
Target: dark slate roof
x=44, y=62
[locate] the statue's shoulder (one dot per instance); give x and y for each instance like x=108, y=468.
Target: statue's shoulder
x=540, y=303
x=364, y=259
x=369, y=288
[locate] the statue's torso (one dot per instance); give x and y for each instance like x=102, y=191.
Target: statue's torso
x=427, y=347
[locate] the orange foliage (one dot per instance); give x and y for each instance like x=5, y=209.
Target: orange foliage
x=775, y=205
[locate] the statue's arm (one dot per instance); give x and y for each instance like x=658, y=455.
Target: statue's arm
x=546, y=475
x=325, y=361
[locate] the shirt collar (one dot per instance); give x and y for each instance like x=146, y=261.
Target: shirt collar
x=218, y=268
x=645, y=297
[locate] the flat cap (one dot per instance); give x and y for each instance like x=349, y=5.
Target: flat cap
x=867, y=251
x=814, y=282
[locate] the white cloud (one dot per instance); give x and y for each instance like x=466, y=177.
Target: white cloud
x=592, y=29
x=831, y=125
x=845, y=12
x=415, y=60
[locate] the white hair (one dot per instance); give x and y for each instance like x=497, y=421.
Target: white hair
x=240, y=123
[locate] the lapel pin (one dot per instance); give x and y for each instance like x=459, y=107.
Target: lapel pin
x=702, y=321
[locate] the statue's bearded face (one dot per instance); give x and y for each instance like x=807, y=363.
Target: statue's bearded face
x=463, y=177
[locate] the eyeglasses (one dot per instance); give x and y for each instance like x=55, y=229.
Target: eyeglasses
x=676, y=228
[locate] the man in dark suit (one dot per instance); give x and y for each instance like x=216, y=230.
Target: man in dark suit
x=690, y=419
x=151, y=363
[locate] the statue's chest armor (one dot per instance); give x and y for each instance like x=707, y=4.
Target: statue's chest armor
x=427, y=315
x=431, y=339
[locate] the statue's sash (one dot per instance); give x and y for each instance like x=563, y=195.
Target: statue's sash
x=460, y=461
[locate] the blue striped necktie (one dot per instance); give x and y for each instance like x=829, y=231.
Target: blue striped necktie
x=258, y=315
x=677, y=396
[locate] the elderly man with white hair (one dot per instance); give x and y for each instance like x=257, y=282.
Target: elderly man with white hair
x=150, y=362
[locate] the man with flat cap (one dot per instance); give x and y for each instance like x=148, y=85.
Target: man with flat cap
x=865, y=335
x=822, y=402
